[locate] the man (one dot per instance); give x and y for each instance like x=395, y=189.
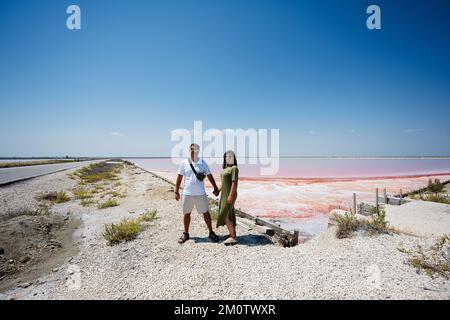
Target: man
x=194, y=194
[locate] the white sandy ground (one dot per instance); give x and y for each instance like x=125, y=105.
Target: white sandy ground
x=155, y=266
x=422, y=218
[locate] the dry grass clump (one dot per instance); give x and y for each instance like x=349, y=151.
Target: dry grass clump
x=126, y=229
x=433, y=261
x=54, y=197
x=349, y=224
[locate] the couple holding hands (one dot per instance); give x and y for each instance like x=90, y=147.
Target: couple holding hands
x=194, y=171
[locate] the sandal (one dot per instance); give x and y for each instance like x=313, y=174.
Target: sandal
x=230, y=241
x=214, y=237
x=184, y=238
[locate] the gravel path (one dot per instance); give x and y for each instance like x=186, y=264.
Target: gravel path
x=155, y=266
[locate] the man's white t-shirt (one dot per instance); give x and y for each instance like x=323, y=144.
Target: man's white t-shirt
x=193, y=186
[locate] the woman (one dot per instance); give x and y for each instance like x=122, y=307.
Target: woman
x=229, y=177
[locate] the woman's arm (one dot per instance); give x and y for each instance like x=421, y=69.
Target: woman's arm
x=233, y=190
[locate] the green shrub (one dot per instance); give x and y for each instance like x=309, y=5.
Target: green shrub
x=97, y=172
x=72, y=176
x=87, y=202
x=435, y=186
x=54, y=197
x=82, y=194
x=107, y=204
x=113, y=193
x=347, y=224
x=126, y=230
x=99, y=187
x=377, y=224
x=61, y=197
x=148, y=216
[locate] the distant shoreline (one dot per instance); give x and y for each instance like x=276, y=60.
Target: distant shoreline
x=323, y=157
x=282, y=157
x=52, y=158
x=343, y=179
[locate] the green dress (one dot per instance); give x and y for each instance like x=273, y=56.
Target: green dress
x=227, y=176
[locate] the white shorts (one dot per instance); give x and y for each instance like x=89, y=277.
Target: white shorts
x=199, y=202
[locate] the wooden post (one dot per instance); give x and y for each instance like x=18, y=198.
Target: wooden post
x=354, y=203
x=376, y=200
x=295, y=239
x=385, y=196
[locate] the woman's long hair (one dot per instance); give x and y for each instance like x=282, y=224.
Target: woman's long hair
x=224, y=165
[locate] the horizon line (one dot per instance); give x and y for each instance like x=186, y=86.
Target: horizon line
x=282, y=157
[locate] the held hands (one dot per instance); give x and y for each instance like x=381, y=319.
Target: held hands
x=177, y=196
x=216, y=192
x=229, y=200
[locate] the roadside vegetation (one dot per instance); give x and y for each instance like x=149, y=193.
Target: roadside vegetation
x=127, y=229
x=97, y=172
x=32, y=163
x=82, y=194
x=53, y=197
x=87, y=202
x=148, y=216
x=107, y=204
x=40, y=211
x=97, y=181
x=435, y=192
x=434, y=260
x=373, y=225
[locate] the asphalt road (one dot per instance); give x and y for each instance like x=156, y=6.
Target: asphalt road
x=10, y=175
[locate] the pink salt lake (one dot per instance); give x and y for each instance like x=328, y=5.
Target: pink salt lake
x=302, y=193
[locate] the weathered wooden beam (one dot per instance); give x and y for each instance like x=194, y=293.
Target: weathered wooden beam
x=376, y=200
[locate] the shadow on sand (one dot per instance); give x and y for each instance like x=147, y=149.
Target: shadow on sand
x=250, y=240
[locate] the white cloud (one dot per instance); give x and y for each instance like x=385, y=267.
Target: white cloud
x=352, y=131
x=312, y=132
x=116, y=134
x=414, y=130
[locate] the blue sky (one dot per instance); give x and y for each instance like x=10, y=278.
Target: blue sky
x=139, y=69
